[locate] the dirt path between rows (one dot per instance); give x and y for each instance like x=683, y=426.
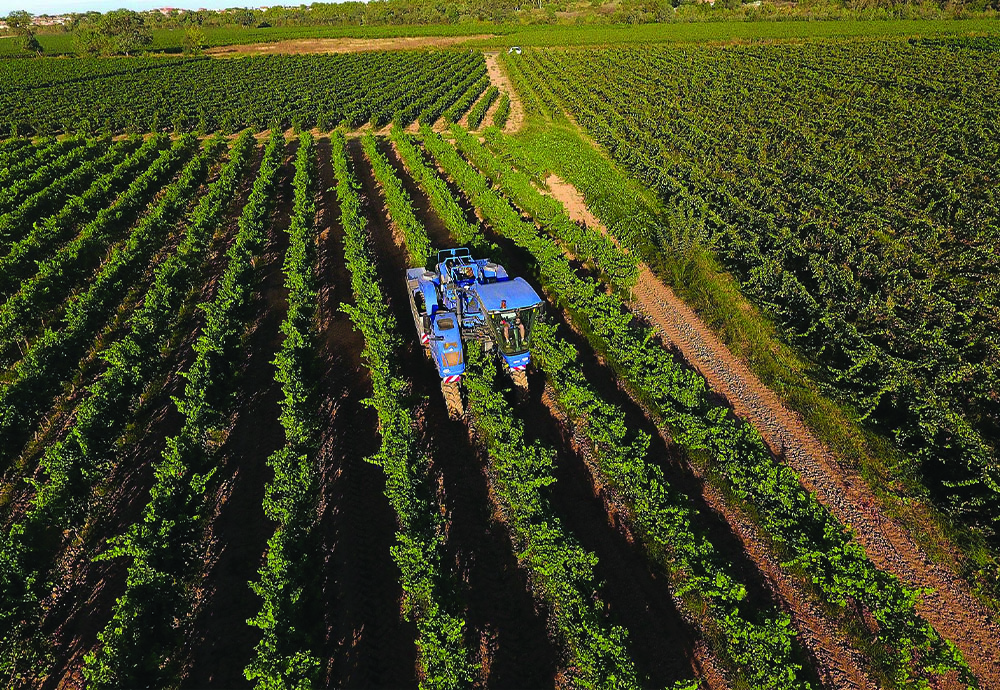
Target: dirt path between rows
x=499, y=77
x=303, y=46
x=950, y=607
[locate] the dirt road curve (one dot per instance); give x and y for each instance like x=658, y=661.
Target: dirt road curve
x=499, y=77
x=950, y=608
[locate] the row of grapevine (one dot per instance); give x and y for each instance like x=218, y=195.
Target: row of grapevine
x=459, y=107
x=139, y=645
x=819, y=545
x=436, y=189
x=881, y=272
x=598, y=652
x=71, y=467
x=18, y=223
x=208, y=95
x=17, y=190
x=12, y=149
x=430, y=114
x=478, y=113
x=442, y=654
x=49, y=361
x=418, y=245
x=621, y=269
x=46, y=235
x=47, y=151
x=502, y=112
x=406, y=104
x=758, y=643
x=422, y=101
x=286, y=654
x=23, y=312
x=560, y=571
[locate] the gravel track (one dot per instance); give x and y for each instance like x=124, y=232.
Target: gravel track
x=949, y=607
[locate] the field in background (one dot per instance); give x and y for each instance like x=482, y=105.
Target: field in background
x=169, y=41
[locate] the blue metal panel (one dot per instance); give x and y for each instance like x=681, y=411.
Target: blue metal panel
x=509, y=294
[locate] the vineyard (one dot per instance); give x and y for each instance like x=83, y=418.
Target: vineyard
x=870, y=239
x=226, y=457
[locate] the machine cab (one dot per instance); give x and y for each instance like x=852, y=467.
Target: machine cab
x=511, y=308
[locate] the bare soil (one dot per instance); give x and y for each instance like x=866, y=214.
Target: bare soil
x=238, y=531
x=367, y=643
x=949, y=607
x=500, y=78
x=341, y=45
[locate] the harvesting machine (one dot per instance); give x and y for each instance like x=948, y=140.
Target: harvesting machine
x=465, y=299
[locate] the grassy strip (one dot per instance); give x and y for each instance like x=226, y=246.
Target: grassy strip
x=819, y=545
x=442, y=655
x=139, y=645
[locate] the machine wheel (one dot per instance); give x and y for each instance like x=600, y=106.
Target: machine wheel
x=520, y=379
x=453, y=399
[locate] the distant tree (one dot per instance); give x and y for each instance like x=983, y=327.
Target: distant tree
x=194, y=40
x=126, y=30
x=20, y=22
x=88, y=40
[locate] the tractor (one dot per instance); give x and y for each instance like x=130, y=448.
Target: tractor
x=465, y=299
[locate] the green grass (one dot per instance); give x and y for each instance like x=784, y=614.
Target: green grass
x=708, y=31
x=169, y=40
x=692, y=271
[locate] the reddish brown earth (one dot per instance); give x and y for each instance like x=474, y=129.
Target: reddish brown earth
x=341, y=45
x=949, y=607
x=367, y=644
x=222, y=643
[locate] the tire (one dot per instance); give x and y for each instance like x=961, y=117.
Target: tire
x=520, y=379
x=453, y=400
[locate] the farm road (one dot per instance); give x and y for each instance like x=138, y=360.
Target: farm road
x=950, y=607
x=499, y=77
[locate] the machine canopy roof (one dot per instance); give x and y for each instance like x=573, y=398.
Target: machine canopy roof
x=516, y=293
